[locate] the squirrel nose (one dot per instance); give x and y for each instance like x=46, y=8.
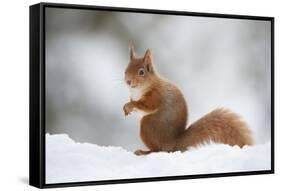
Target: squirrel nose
x=128, y=82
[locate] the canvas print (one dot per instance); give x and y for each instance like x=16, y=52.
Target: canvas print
x=139, y=95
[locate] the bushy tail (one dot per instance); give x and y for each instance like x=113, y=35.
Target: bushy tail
x=219, y=126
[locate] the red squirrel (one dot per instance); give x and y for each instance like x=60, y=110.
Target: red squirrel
x=164, y=113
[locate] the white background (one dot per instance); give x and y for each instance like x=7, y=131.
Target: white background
x=14, y=79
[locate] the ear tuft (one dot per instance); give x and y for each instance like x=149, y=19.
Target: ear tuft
x=147, y=54
x=132, y=52
x=147, y=59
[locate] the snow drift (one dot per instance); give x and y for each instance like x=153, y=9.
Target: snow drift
x=69, y=161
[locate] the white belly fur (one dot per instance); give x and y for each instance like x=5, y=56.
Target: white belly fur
x=136, y=94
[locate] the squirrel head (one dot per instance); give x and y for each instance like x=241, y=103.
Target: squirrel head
x=140, y=71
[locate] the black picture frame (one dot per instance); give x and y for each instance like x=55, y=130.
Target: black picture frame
x=37, y=94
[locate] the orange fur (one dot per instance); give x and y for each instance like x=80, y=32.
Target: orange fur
x=220, y=126
x=163, y=127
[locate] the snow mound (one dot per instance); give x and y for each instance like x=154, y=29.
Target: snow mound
x=69, y=161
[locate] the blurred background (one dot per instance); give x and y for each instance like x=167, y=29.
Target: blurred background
x=215, y=62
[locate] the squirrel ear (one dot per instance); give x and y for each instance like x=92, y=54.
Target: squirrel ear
x=147, y=59
x=132, y=52
x=147, y=53
x=147, y=56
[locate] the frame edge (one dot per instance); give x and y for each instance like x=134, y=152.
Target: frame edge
x=35, y=140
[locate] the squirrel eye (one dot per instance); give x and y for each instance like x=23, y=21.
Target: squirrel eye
x=141, y=72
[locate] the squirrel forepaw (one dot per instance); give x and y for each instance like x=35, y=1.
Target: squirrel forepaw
x=128, y=108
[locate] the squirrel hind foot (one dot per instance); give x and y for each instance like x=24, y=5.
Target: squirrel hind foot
x=140, y=152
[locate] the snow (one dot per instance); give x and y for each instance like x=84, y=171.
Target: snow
x=69, y=161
